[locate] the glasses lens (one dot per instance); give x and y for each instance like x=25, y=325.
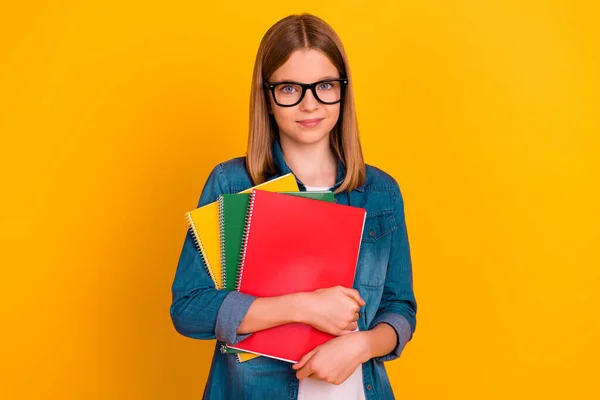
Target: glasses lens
x=329, y=92
x=287, y=93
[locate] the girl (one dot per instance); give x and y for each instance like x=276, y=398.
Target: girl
x=302, y=120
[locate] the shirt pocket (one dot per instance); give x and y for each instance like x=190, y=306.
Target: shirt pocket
x=378, y=224
x=375, y=248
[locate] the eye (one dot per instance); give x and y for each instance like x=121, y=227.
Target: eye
x=325, y=86
x=287, y=89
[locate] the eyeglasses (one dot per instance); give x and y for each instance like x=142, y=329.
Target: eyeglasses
x=289, y=94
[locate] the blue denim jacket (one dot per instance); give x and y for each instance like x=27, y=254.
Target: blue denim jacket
x=383, y=278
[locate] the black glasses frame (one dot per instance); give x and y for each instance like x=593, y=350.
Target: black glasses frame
x=312, y=86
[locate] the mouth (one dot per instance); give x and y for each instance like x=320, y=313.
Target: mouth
x=310, y=123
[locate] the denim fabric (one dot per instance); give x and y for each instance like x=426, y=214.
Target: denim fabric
x=383, y=278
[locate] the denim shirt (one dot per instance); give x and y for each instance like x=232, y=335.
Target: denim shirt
x=383, y=279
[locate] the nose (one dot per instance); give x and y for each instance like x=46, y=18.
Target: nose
x=309, y=102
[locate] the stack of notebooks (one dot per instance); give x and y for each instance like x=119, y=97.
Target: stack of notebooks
x=273, y=240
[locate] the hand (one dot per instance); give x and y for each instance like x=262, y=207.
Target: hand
x=333, y=310
x=335, y=360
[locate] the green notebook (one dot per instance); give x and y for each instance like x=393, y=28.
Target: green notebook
x=232, y=221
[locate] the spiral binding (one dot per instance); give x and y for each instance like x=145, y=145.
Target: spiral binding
x=222, y=240
x=198, y=242
x=240, y=271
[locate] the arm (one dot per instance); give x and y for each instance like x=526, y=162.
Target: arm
x=267, y=312
x=380, y=341
x=398, y=306
x=333, y=310
x=202, y=312
x=199, y=310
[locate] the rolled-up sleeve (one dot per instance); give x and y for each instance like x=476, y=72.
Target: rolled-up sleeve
x=230, y=315
x=403, y=332
x=398, y=305
x=199, y=310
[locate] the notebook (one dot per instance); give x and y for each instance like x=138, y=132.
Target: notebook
x=204, y=223
x=292, y=244
x=232, y=220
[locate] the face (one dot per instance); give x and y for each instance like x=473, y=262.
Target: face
x=309, y=121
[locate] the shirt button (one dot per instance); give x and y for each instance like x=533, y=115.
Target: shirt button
x=369, y=387
x=372, y=233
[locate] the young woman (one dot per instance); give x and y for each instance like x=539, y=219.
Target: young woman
x=302, y=120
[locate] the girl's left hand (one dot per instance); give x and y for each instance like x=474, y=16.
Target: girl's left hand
x=335, y=360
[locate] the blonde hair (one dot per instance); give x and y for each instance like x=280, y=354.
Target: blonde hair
x=296, y=32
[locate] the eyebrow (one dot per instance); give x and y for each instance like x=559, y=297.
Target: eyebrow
x=324, y=78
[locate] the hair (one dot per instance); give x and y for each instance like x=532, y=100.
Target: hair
x=298, y=32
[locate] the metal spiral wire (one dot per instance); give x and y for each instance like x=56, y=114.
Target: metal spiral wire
x=240, y=271
x=222, y=241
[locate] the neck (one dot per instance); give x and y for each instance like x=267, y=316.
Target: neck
x=314, y=164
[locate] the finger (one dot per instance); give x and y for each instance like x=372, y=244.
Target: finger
x=304, y=359
x=304, y=372
x=352, y=326
x=355, y=317
x=354, y=294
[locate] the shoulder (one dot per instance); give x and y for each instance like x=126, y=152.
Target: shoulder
x=378, y=180
x=232, y=175
x=225, y=178
x=234, y=166
x=380, y=191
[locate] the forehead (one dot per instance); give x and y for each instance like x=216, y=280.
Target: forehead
x=305, y=66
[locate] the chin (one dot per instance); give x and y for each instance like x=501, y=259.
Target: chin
x=307, y=136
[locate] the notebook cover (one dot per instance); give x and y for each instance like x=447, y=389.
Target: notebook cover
x=204, y=223
x=294, y=245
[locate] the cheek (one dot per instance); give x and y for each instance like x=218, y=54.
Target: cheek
x=285, y=116
x=334, y=111
x=333, y=114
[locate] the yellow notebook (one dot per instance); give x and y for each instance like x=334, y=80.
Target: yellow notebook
x=204, y=222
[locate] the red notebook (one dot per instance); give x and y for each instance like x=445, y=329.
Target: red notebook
x=294, y=244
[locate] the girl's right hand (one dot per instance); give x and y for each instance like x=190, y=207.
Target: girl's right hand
x=332, y=310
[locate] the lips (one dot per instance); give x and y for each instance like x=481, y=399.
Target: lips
x=309, y=123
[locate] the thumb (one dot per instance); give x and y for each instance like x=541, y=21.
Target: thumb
x=304, y=359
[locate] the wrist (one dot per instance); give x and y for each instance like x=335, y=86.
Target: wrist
x=366, y=352
x=298, y=306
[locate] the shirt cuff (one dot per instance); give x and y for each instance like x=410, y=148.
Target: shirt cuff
x=230, y=316
x=402, y=328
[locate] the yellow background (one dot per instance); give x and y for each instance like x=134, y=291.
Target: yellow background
x=112, y=114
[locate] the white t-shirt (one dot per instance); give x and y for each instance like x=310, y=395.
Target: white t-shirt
x=316, y=389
